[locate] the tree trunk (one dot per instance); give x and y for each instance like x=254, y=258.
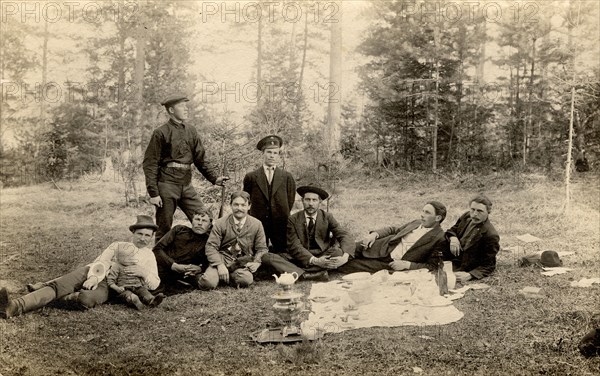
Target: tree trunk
x=121, y=81
x=517, y=102
x=140, y=65
x=482, y=56
x=304, y=48
x=44, y=75
x=437, y=100
x=259, y=59
x=569, y=153
x=335, y=86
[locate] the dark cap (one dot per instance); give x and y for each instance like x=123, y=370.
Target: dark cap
x=173, y=100
x=271, y=141
x=312, y=189
x=143, y=221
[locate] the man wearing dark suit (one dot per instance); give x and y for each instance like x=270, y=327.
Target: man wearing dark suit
x=315, y=239
x=474, y=242
x=413, y=246
x=272, y=193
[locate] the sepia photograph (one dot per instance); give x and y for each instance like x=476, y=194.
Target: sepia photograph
x=300, y=187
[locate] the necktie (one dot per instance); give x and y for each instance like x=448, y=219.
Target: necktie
x=270, y=174
x=311, y=227
x=238, y=227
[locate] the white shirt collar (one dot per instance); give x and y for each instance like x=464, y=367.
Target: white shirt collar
x=308, y=217
x=241, y=222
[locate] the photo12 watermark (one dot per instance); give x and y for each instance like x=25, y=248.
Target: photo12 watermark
x=270, y=11
x=68, y=11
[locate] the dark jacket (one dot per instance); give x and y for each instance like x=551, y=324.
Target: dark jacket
x=327, y=232
x=178, y=143
x=180, y=245
x=422, y=254
x=478, y=258
x=279, y=202
x=271, y=205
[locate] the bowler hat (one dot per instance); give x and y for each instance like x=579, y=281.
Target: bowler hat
x=174, y=99
x=550, y=259
x=143, y=221
x=312, y=189
x=270, y=141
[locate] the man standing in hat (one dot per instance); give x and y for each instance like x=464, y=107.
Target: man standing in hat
x=272, y=192
x=86, y=286
x=415, y=245
x=173, y=148
x=315, y=240
x=474, y=242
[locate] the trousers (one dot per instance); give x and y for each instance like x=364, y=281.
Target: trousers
x=174, y=195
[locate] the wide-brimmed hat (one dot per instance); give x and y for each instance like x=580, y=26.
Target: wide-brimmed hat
x=173, y=100
x=550, y=259
x=311, y=188
x=143, y=221
x=270, y=141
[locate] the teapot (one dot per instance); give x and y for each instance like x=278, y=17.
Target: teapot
x=286, y=279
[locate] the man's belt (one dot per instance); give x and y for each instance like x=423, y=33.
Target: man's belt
x=179, y=165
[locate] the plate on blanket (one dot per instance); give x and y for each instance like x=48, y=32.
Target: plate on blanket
x=357, y=276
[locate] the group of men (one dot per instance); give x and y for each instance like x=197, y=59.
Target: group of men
x=259, y=236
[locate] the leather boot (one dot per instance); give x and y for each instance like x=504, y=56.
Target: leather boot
x=26, y=303
x=7, y=306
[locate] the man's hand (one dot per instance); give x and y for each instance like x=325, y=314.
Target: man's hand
x=463, y=276
x=323, y=262
x=178, y=268
x=338, y=261
x=135, y=270
x=91, y=283
x=223, y=273
x=221, y=180
x=156, y=201
x=368, y=241
x=253, y=266
x=192, y=269
x=400, y=265
x=455, y=246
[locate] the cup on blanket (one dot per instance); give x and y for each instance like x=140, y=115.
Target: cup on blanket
x=361, y=292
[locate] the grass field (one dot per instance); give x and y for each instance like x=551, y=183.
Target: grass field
x=46, y=232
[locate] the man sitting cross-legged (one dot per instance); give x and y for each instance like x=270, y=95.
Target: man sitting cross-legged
x=413, y=246
x=315, y=240
x=180, y=254
x=237, y=247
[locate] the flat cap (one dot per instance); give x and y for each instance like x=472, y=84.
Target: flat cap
x=271, y=141
x=173, y=100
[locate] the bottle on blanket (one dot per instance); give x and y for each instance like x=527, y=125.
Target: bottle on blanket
x=441, y=278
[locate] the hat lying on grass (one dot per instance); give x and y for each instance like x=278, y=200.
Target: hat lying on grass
x=590, y=344
x=548, y=259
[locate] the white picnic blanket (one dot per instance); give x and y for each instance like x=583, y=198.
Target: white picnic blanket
x=402, y=298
